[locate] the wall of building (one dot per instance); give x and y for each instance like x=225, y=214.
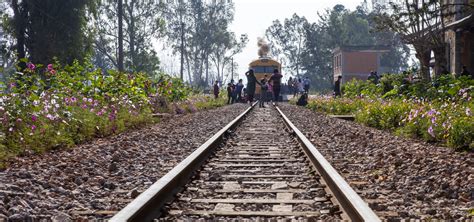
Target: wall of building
x=337, y=64
x=467, y=51
x=359, y=62
x=358, y=65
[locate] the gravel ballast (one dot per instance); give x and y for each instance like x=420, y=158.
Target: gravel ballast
x=400, y=178
x=100, y=177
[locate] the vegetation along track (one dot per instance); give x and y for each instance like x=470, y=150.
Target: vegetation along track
x=257, y=167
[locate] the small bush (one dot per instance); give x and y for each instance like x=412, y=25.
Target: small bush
x=49, y=107
x=436, y=112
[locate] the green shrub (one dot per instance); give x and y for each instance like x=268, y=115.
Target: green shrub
x=383, y=115
x=49, y=107
x=461, y=134
x=337, y=106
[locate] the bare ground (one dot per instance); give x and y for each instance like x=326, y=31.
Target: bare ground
x=102, y=176
x=398, y=177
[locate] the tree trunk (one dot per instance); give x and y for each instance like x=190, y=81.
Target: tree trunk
x=196, y=68
x=131, y=31
x=440, y=60
x=120, y=35
x=207, y=69
x=189, y=70
x=20, y=18
x=218, y=71
x=423, y=54
x=181, y=71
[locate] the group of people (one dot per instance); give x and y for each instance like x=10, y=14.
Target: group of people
x=271, y=87
x=299, y=86
x=234, y=91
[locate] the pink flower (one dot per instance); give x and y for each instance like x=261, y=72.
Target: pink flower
x=431, y=132
x=34, y=118
x=50, y=67
x=431, y=112
x=31, y=66
x=33, y=127
x=50, y=117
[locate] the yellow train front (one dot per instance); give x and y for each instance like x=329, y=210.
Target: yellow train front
x=264, y=67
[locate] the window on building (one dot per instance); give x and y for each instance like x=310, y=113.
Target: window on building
x=264, y=69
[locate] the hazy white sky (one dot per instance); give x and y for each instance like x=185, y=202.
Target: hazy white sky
x=253, y=17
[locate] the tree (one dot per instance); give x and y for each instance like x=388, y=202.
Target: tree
x=142, y=23
x=7, y=51
x=224, y=49
x=120, y=35
x=290, y=38
x=308, y=46
x=45, y=29
x=419, y=23
x=199, y=32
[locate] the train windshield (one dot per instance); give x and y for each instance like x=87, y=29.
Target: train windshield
x=264, y=69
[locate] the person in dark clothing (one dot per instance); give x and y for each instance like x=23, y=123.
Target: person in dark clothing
x=303, y=100
x=306, y=83
x=290, y=85
x=251, y=85
x=373, y=77
x=337, y=87
x=444, y=71
x=216, y=89
x=234, y=92
x=464, y=72
x=238, y=90
x=276, y=84
x=230, y=91
x=263, y=93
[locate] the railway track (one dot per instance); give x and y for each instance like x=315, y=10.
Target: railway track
x=258, y=167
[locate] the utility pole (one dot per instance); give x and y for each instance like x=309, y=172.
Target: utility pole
x=120, y=35
x=181, y=71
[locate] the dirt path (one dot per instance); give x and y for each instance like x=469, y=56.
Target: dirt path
x=400, y=178
x=102, y=176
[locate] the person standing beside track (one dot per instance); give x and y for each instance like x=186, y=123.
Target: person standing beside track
x=263, y=93
x=337, y=87
x=276, y=84
x=306, y=83
x=216, y=89
x=238, y=90
x=251, y=85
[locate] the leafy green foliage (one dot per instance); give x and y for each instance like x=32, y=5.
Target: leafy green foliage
x=436, y=112
x=47, y=107
x=338, y=106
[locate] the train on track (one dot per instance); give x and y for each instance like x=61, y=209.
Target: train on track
x=264, y=67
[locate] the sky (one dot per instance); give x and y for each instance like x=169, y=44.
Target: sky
x=253, y=17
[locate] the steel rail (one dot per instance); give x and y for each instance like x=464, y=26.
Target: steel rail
x=352, y=204
x=147, y=205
